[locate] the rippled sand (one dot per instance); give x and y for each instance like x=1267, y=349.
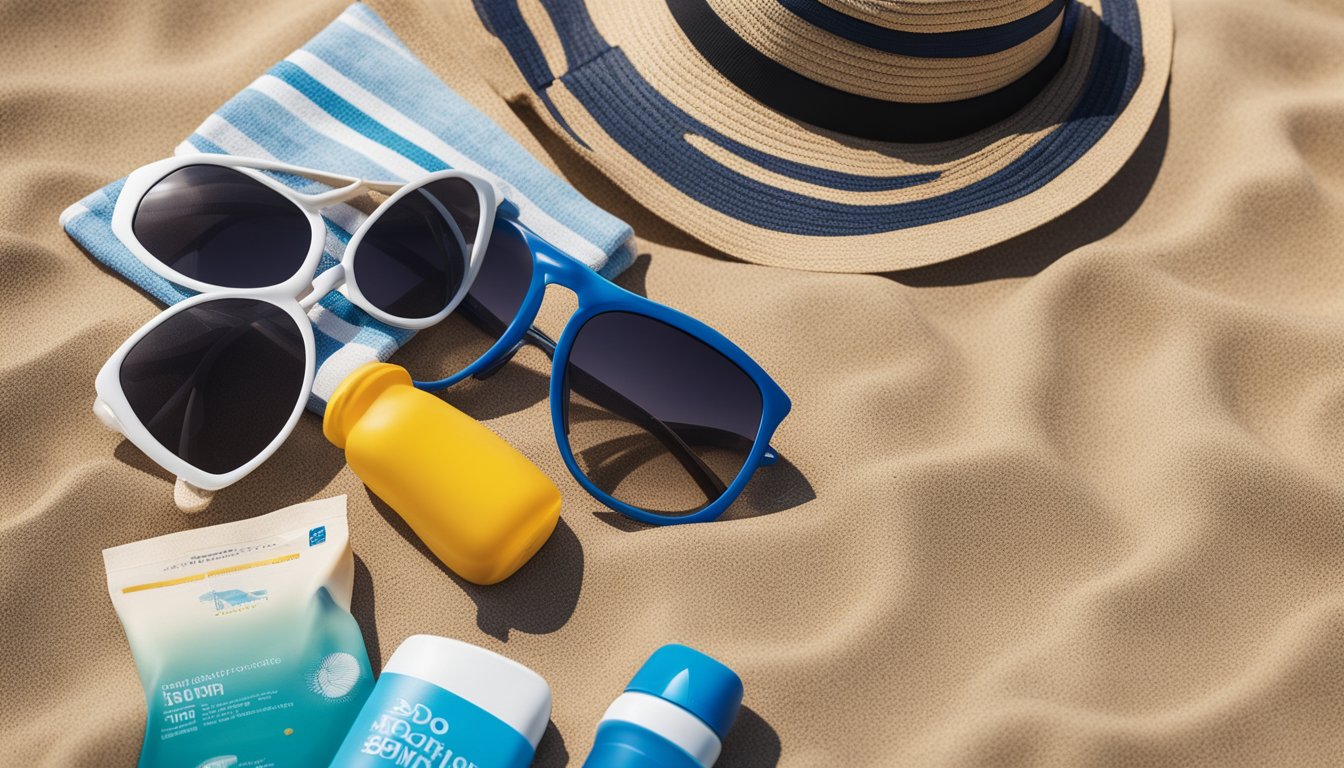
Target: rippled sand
x=1078, y=500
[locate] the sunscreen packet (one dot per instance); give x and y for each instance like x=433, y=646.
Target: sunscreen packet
x=243, y=639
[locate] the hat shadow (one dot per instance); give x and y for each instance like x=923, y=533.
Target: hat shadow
x=1093, y=219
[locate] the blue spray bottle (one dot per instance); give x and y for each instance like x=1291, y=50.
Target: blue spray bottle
x=673, y=714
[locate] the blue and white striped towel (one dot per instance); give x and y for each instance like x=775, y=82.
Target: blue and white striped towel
x=355, y=100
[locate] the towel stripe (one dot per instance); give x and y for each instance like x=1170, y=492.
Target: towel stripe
x=424, y=143
x=470, y=147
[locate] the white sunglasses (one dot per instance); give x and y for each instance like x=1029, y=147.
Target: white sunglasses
x=212, y=386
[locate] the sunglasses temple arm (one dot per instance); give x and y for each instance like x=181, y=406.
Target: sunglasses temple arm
x=530, y=336
x=350, y=188
x=342, y=185
x=382, y=187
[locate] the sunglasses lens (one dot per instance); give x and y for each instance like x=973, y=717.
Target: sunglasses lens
x=500, y=287
x=217, y=382
x=657, y=418
x=222, y=227
x=493, y=301
x=412, y=258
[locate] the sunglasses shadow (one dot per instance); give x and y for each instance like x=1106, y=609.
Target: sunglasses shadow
x=776, y=488
x=513, y=388
x=303, y=466
x=538, y=599
x=438, y=351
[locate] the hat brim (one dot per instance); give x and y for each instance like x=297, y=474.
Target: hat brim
x=638, y=102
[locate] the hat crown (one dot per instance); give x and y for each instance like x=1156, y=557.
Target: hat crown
x=936, y=15
x=905, y=51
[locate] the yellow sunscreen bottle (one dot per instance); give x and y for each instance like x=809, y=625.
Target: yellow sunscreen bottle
x=479, y=505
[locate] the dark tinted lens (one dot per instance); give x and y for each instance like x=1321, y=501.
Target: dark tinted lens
x=222, y=227
x=216, y=383
x=495, y=298
x=501, y=285
x=411, y=260
x=657, y=418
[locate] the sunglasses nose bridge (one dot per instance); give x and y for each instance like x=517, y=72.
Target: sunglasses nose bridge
x=322, y=284
x=577, y=278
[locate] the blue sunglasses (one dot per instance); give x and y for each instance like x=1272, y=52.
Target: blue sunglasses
x=657, y=415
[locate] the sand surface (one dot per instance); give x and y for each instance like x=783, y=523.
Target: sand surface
x=1077, y=500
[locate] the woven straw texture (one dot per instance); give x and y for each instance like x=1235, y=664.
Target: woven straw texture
x=768, y=188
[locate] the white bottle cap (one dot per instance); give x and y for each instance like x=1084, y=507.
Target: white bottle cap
x=512, y=693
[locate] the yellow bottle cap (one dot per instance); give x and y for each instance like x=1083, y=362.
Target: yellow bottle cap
x=355, y=394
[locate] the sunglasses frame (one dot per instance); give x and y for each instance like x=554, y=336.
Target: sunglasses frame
x=344, y=188
x=597, y=295
x=114, y=409
x=295, y=295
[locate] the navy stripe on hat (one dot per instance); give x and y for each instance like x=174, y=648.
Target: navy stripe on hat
x=581, y=42
x=789, y=93
x=652, y=130
x=963, y=43
x=506, y=23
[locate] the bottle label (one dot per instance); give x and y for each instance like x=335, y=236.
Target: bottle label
x=410, y=723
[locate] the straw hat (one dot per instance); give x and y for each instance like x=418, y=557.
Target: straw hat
x=846, y=135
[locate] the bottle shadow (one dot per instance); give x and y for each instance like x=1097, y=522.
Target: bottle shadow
x=538, y=599
x=752, y=743
x=551, y=751
x=362, y=608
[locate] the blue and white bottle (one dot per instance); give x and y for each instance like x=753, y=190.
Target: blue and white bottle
x=673, y=714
